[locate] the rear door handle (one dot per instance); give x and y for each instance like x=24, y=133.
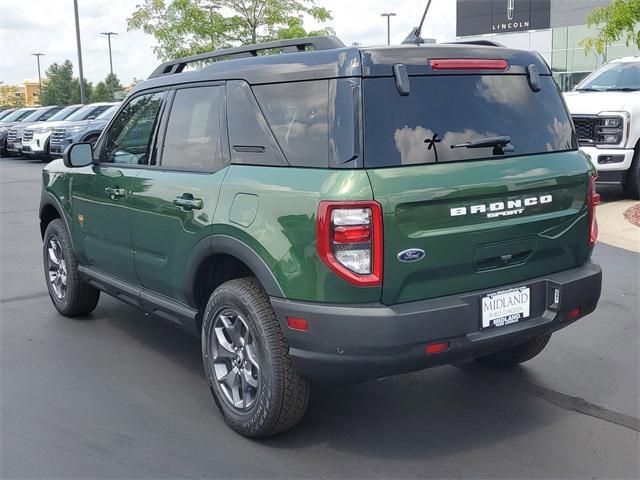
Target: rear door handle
x=187, y=202
x=115, y=192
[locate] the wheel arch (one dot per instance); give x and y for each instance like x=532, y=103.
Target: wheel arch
x=50, y=209
x=219, y=258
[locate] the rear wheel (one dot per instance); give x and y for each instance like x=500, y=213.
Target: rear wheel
x=247, y=363
x=71, y=295
x=632, y=179
x=515, y=355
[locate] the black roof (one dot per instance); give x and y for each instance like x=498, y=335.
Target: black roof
x=328, y=60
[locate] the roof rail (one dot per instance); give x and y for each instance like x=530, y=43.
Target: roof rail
x=325, y=42
x=486, y=43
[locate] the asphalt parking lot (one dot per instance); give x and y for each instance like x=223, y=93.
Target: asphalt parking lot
x=122, y=395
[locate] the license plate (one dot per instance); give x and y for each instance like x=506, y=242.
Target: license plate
x=506, y=307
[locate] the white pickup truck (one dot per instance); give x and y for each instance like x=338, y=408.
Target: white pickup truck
x=605, y=108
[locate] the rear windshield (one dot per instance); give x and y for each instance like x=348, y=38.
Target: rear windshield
x=445, y=111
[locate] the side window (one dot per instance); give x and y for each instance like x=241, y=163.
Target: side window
x=128, y=141
x=298, y=115
x=193, y=137
x=252, y=142
x=97, y=111
x=50, y=113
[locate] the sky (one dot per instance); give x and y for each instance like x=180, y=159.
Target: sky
x=47, y=26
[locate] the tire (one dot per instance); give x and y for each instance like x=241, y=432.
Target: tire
x=92, y=139
x=515, y=355
x=71, y=295
x=266, y=396
x=632, y=179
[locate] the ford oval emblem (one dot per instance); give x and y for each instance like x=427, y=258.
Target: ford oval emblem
x=411, y=255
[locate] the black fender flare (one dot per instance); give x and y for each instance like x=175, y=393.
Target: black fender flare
x=47, y=199
x=224, y=244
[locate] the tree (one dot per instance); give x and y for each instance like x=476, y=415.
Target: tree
x=188, y=27
x=620, y=21
x=113, y=83
x=101, y=93
x=60, y=87
x=104, y=91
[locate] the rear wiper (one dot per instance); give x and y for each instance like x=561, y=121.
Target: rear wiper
x=500, y=144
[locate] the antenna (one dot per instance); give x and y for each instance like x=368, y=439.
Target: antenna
x=414, y=37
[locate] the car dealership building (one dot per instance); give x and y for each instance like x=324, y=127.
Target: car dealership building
x=552, y=27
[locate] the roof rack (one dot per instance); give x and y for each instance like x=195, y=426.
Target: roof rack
x=325, y=42
x=486, y=43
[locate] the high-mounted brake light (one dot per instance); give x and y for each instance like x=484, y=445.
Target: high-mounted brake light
x=349, y=240
x=468, y=64
x=593, y=200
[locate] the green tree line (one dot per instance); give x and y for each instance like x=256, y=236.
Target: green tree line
x=188, y=27
x=60, y=87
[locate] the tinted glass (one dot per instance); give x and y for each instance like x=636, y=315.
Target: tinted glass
x=615, y=76
x=18, y=115
x=252, y=142
x=108, y=113
x=129, y=139
x=85, y=112
x=446, y=111
x=297, y=114
x=5, y=113
x=64, y=113
x=192, y=140
x=41, y=114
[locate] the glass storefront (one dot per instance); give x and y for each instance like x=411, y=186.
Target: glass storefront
x=569, y=62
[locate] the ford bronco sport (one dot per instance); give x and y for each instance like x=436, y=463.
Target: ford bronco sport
x=333, y=214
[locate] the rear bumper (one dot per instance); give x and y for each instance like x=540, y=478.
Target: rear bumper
x=361, y=342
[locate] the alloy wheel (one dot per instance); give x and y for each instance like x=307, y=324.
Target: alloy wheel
x=57, y=268
x=235, y=359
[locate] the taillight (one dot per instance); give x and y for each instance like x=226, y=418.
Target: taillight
x=349, y=238
x=593, y=199
x=468, y=64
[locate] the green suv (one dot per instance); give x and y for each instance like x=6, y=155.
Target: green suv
x=322, y=213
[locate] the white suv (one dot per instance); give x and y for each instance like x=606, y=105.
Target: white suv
x=605, y=108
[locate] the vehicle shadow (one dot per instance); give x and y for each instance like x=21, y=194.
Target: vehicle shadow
x=433, y=413
x=430, y=414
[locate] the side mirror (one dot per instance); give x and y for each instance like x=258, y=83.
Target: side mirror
x=91, y=117
x=78, y=155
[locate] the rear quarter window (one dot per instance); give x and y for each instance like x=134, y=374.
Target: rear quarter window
x=442, y=111
x=298, y=116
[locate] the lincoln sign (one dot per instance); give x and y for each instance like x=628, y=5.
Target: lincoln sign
x=478, y=17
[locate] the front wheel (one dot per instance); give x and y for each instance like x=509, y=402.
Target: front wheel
x=70, y=294
x=515, y=355
x=247, y=363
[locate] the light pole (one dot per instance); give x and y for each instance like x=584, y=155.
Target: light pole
x=388, y=15
x=108, y=35
x=38, y=55
x=75, y=10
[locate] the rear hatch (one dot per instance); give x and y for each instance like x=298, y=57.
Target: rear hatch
x=484, y=216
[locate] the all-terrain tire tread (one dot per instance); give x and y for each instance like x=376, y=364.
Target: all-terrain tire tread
x=292, y=391
x=82, y=298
